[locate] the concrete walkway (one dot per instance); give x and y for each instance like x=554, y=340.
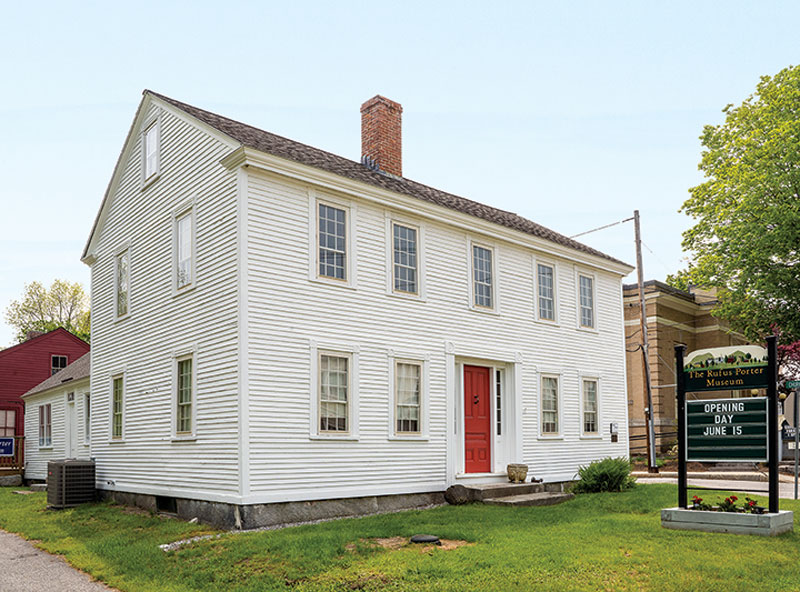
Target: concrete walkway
x=28, y=569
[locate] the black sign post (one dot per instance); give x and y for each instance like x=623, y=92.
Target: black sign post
x=728, y=429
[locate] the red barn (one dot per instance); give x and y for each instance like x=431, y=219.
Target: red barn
x=27, y=364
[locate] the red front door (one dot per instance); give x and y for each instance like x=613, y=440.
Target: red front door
x=477, y=420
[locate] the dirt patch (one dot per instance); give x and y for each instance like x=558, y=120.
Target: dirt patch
x=24, y=492
x=370, y=581
x=398, y=542
x=134, y=511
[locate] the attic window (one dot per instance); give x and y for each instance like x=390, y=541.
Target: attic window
x=150, y=152
x=57, y=363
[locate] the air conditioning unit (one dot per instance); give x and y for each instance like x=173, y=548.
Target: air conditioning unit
x=70, y=483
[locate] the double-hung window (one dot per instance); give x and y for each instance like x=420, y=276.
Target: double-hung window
x=184, y=250
x=405, y=259
x=545, y=279
x=550, y=415
x=589, y=406
x=334, y=393
x=332, y=241
x=408, y=398
x=57, y=364
x=482, y=277
x=8, y=418
x=150, y=152
x=45, y=426
x=185, y=397
x=117, y=407
x=586, y=296
x=122, y=283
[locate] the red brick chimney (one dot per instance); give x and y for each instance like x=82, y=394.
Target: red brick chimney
x=381, y=146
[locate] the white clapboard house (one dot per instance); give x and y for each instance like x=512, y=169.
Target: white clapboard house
x=274, y=323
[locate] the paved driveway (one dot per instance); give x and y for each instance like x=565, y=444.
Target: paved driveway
x=28, y=569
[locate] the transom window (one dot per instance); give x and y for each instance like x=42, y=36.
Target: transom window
x=334, y=387
x=405, y=258
x=117, y=394
x=549, y=405
x=482, y=276
x=184, y=402
x=122, y=283
x=332, y=232
x=8, y=419
x=589, y=406
x=150, y=151
x=408, y=397
x=587, y=300
x=45, y=426
x=57, y=364
x=547, y=308
x=184, y=271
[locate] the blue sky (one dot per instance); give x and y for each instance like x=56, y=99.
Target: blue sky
x=572, y=114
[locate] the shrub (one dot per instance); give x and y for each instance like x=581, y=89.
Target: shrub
x=609, y=474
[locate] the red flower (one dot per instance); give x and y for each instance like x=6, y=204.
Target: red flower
x=734, y=498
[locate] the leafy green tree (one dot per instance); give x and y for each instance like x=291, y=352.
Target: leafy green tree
x=63, y=304
x=746, y=237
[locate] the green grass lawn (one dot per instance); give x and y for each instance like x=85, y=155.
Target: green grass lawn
x=593, y=542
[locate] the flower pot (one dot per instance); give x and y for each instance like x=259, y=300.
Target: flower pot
x=517, y=473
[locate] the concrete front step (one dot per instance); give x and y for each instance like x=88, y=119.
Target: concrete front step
x=544, y=498
x=479, y=492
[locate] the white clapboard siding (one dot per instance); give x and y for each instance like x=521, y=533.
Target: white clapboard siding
x=161, y=325
x=36, y=458
x=288, y=311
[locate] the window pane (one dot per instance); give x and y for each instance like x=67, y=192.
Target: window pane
x=549, y=405
x=546, y=293
x=122, y=284
x=184, y=419
x=482, y=276
x=185, y=241
x=332, y=242
x=408, y=383
x=405, y=258
x=150, y=151
x=333, y=396
x=587, y=301
x=590, y=406
x=116, y=411
x=57, y=364
x=87, y=418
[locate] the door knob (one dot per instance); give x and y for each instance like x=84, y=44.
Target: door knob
x=475, y=399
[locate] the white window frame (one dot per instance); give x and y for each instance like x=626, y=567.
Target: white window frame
x=578, y=308
x=392, y=221
x=351, y=258
x=582, y=378
x=45, y=426
x=186, y=209
x=559, y=434
x=395, y=358
x=495, y=308
x=123, y=251
x=154, y=123
x=338, y=350
x=87, y=418
x=111, y=436
x=177, y=359
x=536, y=311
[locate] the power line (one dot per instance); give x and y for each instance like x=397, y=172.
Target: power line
x=602, y=227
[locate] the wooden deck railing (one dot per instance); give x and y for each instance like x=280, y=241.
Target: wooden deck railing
x=14, y=464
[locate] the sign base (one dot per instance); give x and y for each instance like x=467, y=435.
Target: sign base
x=730, y=522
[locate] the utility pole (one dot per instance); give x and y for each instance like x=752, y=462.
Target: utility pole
x=651, y=436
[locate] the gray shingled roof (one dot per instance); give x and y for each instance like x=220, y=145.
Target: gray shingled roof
x=78, y=370
x=270, y=143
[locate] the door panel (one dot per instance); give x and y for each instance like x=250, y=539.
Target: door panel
x=477, y=420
